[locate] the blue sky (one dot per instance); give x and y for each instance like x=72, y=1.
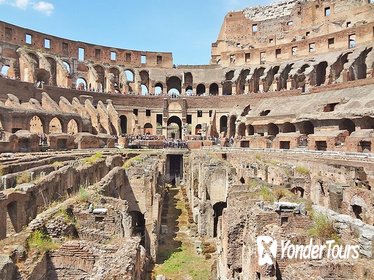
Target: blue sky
x=186, y=28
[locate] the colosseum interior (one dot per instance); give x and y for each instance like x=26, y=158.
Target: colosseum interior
x=118, y=164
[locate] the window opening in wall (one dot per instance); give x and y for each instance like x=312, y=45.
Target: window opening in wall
x=349, y=24
x=189, y=119
x=135, y=111
x=312, y=47
x=199, y=113
x=210, y=113
x=47, y=43
x=330, y=107
x=294, y=51
x=262, y=57
x=143, y=59
x=148, y=113
x=307, y=33
x=65, y=49
x=113, y=56
x=254, y=28
x=278, y=52
x=271, y=40
x=327, y=11
x=28, y=39
x=352, y=41
x=247, y=57
x=232, y=58
x=264, y=113
x=97, y=53
x=159, y=59
x=128, y=57
x=81, y=54
x=331, y=42
x=8, y=33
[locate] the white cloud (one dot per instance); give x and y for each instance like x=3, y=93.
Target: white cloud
x=21, y=4
x=44, y=7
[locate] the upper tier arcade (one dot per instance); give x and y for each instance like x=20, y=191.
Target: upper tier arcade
x=290, y=30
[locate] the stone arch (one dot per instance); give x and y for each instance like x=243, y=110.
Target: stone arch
x=72, y=127
x=53, y=71
x=347, y=124
x=299, y=191
x=144, y=78
x=223, y=124
x=273, y=129
x=148, y=129
x=240, y=87
x=5, y=70
x=213, y=89
x=288, y=127
x=159, y=88
x=130, y=75
x=174, y=127
x=101, y=80
x=241, y=130
x=36, y=125
x=232, y=126
x=189, y=90
x=250, y=129
x=227, y=88
x=198, y=129
x=55, y=126
x=81, y=84
x=200, y=89
x=174, y=83
x=306, y=127
x=35, y=59
x=188, y=80
x=144, y=90
x=321, y=73
x=123, y=124
x=67, y=66
x=115, y=78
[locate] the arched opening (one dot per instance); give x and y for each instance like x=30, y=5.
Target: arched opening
x=227, y=88
x=321, y=73
x=42, y=77
x=240, y=87
x=367, y=123
x=73, y=127
x=357, y=210
x=123, y=123
x=53, y=65
x=81, y=84
x=11, y=223
x=174, y=93
x=55, y=126
x=129, y=75
x=218, y=210
x=174, y=83
x=138, y=225
x=347, y=124
x=223, y=124
x=230, y=75
x=67, y=66
x=198, y=129
x=306, y=127
x=288, y=127
x=144, y=90
x=250, y=129
x=5, y=70
x=232, y=126
x=241, y=130
x=213, y=89
x=100, y=82
x=273, y=129
x=242, y=181
x=35, y=59
x=148, y=129
x=200, y=89
x=188, y=80
x=159, y=88
x=174, y=127
x=189, y=91
x=114, y=79
x=36, y=125
x=298, y=191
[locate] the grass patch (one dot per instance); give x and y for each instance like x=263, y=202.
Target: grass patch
x=266, y=194
x=130, y=162
x=83, y=194
x=93, y=159
x=323, y=228
x=280, y=193
x=57, y=164
x=68, y=218
x=42, y=242
x=23, y=178
x=302, y=170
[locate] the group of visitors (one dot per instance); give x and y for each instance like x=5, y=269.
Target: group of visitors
x=175, y=143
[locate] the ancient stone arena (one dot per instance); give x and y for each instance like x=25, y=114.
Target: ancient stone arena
x=118, y=164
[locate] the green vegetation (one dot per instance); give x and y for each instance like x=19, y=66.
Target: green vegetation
x=258, y=157
x=57, y=164
x=323, y=228
x=23, y=178
x=93, y=159
x=128, y=163
x=280, y=193
x=302, y=170
x=83, y=194
x=41, y=242
x=69, y=219
x=266, y=194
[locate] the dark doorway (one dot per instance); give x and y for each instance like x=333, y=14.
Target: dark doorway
x=175, y=167
x=285, y=145
x=138, y=225
x=123, y=120
x=218, y=210
x=358, y=211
